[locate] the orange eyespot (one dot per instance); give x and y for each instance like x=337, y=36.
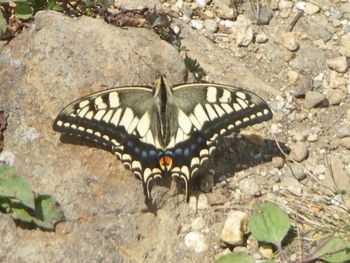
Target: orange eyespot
x=165, y=162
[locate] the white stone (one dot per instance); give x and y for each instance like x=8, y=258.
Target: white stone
x=339, y=64
x=201, y=3
x=311, y=9
x=197, y=24
x=290, y=41
x=202, y=202
x=293, y=77
x=196, y=241
x=300, y=5
x=228, y=23
x=234, y=228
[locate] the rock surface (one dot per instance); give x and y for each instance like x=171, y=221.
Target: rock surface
x=58, y=59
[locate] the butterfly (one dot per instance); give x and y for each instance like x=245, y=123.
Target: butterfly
x=164, y=130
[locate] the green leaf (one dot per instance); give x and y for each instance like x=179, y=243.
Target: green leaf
x=105, y=3
x=23, y=11
x=240, y=257
x=333, y=250
x=269, y=223
x=46, y=214
x=4, y=1
x=53, y=5
x=48, y=211
x=13, y=186
x=3, y=25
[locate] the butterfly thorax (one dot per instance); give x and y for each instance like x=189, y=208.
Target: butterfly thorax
x=165, y=110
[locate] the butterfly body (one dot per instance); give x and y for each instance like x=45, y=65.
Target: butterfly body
x=162, y=130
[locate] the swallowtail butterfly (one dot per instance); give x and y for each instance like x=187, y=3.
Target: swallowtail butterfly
x=162, y=130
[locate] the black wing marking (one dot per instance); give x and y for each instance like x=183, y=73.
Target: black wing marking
x=120, y=119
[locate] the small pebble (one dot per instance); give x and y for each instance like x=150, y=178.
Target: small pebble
x=285, y=7
x=277, y=162
x=336, y=80
x=314, y=99
x=335, y=96
x=339, y=64
x=249, y=187
x=311, y=9
x=201, y=3
x=202, y=202
x=197, y=24
x=299, y=152
x=265, y=16
x=305, y=84
x=292, y=185
x=210, y=25
x=228, y=23
x=293, y=77
x=266, y=251
x=296, y=171
x=196, y=241
x=261, y=38
x=343, y=132
x=236, y=225
x=290, y=41
x=243, y=31
x=312, y=137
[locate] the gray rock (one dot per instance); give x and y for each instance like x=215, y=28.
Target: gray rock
x=343, y=131
x=196, y=241
x=314, y=99
x=296, y=171
x=316, y=30
x=309, y=59
x=234, y=228
x=299, y=151
x=265, y=15
x=340, y=64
